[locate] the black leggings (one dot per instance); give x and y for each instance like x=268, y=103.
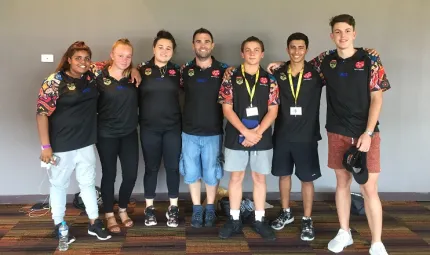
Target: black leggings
x=127, y=148
x=155, y=145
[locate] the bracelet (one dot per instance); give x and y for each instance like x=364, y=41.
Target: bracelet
x=46, y=146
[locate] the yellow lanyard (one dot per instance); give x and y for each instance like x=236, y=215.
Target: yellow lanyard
x=251, y=93
x=299, y=84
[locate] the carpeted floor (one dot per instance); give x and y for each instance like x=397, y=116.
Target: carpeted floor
x=406, y=231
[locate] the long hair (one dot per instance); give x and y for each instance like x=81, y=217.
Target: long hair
x=122, y=41
x=76, y=46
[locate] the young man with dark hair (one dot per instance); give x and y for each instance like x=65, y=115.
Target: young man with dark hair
x=297, y=132
x=202, y=127
x=355, y=80
x=250, y=101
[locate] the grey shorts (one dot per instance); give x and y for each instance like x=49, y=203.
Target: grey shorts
x=238, y=160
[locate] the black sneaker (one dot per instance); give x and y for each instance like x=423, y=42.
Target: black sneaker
x=197, y=217
x=210, y=218
x=263, y=228
x=56, y=234
x=283, y=219
x=172, y=216
x=150, y=219
x=308, y=233
x=98, y=230
x=230, y=228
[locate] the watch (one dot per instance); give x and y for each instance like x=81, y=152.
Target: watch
x=370, y=133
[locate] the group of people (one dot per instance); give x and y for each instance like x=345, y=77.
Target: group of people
x=86, y=104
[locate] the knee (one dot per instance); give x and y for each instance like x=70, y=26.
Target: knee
x=237, y=177
x=259, y=179
x=285, y=178
x=344, y=179
x=369, y=190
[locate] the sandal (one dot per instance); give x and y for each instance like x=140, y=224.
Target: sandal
x=114, y=226
x=128, y=223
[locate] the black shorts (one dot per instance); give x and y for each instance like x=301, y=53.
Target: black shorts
x=302, y=155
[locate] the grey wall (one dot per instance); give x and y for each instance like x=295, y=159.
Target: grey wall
x=397, y=29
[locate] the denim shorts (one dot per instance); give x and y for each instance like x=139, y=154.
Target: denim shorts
x=201, y=158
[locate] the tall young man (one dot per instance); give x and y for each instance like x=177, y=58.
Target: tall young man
x=250, y=100
x=202, y=127
x=297, y=132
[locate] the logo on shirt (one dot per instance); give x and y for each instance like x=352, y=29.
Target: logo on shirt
x=283, y=76
x=215, y=73
x=86, y=90
x=148, y=71
x=263, y=81
x=307, y=76
x=71, y=86
x=172, y=72
x=333, y=63
x=239, y=80
x=359, y=66
x=107, y=82
x=191, y=72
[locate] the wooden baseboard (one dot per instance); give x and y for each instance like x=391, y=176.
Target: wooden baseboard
x=295, y=196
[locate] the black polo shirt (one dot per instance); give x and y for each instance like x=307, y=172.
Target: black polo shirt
x=159, y=107
x=202, y=114
x=349, y=84
x=117, y=106
x=305, y=127
x=71, y=106
x=234, y=91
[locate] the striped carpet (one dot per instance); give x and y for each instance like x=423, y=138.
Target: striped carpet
x=406, y=231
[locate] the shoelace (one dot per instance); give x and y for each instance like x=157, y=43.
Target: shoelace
x=210, y=215
x=307, y=226
x=198, y=215
x=282, y=216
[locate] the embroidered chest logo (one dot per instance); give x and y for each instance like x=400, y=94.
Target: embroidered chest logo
x=307, y=76
x=263, y=81
x=359, y=66
x=71, y=86
x=191, y=72
x=172, y=72
x=283, y=76
x=148, y=71
x=333, y=63
x=239, y=80
x=215, y=73
x=106, y=81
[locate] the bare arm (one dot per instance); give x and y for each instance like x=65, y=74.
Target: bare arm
x=268, y=119
x=43, y=128
x=232, y=117
x=374, y=110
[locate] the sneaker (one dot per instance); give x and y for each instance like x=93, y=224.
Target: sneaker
x=210, y=218
x=56, y=234
x=197, y=217
x=378, y=249
x=283, y=219
x=150, y=219
x=308, y=233
x=230, y=228
x=263, y=228
x=172, y=216
x=98, y=230
x=341, y=241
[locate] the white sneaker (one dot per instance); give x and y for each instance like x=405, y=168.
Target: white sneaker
x=378, y=249
x=341, y=241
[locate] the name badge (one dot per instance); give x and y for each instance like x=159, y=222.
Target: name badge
x=251, y=111
x=295, y=111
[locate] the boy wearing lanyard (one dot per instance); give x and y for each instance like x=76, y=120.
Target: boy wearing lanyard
x=297, y=132
x=250, y=101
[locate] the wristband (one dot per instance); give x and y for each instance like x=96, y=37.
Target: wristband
x=46, y=146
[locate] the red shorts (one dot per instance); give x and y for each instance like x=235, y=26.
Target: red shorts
x=339, y=144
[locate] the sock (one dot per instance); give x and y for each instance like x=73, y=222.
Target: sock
x=259, y=215
x=286, y=209
x=197, y=208
x=174, y=201
x=235, y=214
x=306, y=218
x=58, y=220
x=122, y=209
x=149, y=202
x=210, y=207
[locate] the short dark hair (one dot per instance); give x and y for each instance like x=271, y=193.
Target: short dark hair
x=342, y=18
x=298, y=36
x=252, y=39
x=163, y=34
x=202, y=31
